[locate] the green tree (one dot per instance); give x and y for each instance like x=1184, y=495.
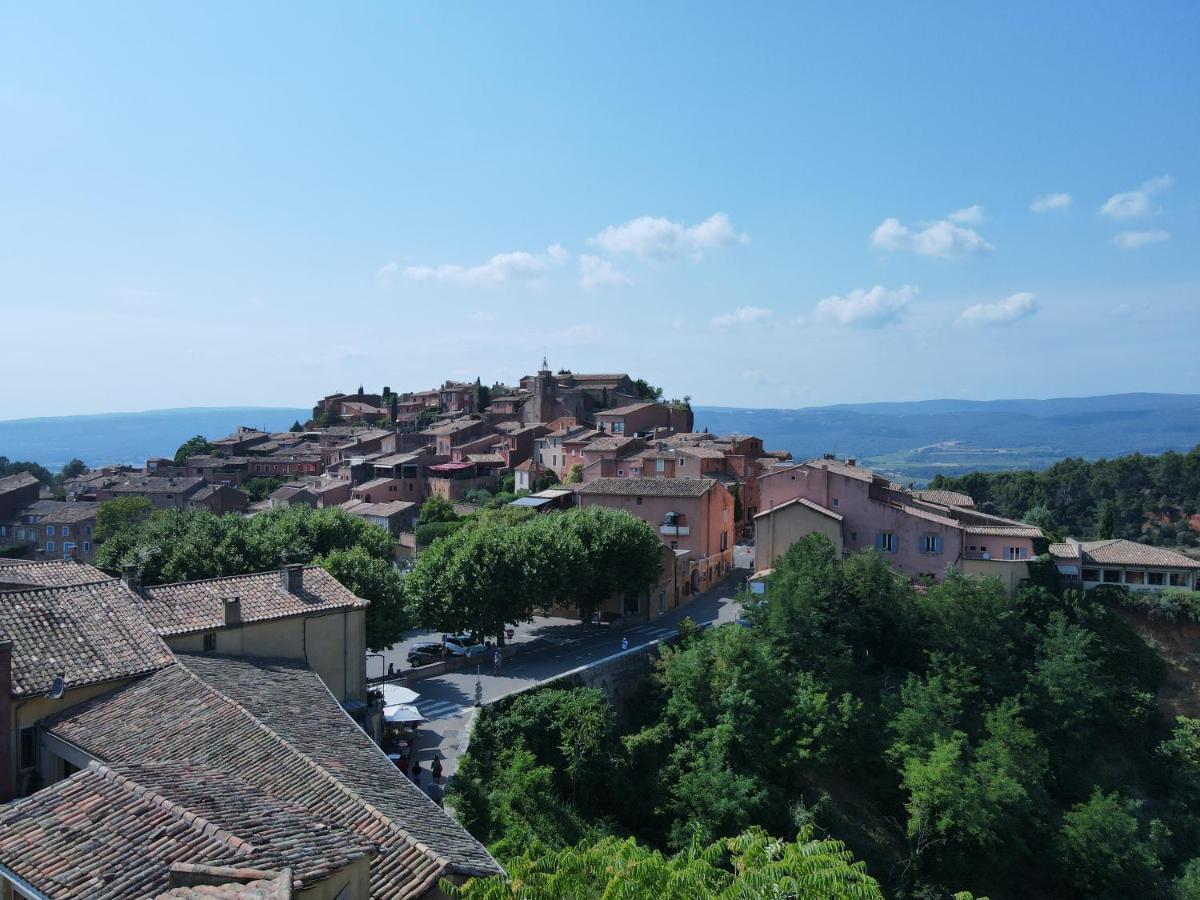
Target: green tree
x=1187, y=885
x=193, y=446
x=261, y=488
x=296, y=428
x=752, y=864
x=646, y=391
x=1106, y=521
x=121, y=513
x=378, y=581
x=622, y=555
x=437, y=509
x=1105, y=851
x=73, y=469
x=575, y=475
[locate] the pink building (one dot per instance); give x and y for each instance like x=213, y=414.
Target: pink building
x=920, y=538
x=692, y=515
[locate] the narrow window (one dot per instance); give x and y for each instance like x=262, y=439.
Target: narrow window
x=210, y=642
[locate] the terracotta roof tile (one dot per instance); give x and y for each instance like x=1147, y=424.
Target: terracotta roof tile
x=200, y=605
x=13, y=482
x=945, y=498
x=1119, y=552
x=1026, y=531
x=90, y=633
x=648, y=487
x=50, y=572
x=802, y=501
x=274, y=725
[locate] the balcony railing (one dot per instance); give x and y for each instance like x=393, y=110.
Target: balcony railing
x=674, y=530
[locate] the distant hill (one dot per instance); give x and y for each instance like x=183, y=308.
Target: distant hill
x=130, y=437
x=915, y=441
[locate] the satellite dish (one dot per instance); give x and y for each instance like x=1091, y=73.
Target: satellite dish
x=57, y=687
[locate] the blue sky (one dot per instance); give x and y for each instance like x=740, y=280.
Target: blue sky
x=222, y=204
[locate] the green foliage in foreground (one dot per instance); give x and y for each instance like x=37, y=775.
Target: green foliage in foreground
x=184, y=545
x=950, y=736
x=750, y=865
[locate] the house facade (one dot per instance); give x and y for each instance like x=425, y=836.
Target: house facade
x=1138, y=567
x=919, y=538
x=692, y=515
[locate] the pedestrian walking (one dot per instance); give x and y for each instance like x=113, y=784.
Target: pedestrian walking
x=497, y=658
x=624, y=643
x=415, y=772
x=436, y=770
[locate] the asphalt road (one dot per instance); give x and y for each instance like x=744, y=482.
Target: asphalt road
x=551, y=647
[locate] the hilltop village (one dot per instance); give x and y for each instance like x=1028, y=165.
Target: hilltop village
x=220, y=736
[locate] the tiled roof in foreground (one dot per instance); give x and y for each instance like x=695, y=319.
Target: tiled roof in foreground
x=115, y=832
x=88, y=633
x=200, y=605
x=287, y=698
x=274, y=726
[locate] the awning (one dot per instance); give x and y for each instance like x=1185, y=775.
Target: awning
x=402, y=713
x=396, y=694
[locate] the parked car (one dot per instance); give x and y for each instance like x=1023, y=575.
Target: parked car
x=462, y=645
x=425, y=653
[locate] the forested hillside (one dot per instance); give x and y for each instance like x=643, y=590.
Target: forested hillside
x=1148, y=498
x=952, y=739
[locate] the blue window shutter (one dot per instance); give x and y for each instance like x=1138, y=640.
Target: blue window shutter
x=879, y=542
x=937, y=544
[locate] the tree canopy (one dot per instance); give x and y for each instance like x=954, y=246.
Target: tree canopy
x=501, y=565
x=197, y=445
x=953, y=738
x=1146, y=498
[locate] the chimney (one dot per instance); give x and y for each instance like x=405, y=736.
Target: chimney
x=7, y=763
x=851, y=461
x=74, y=553
x=131, y=576
x=293, y=577
x=233, y=611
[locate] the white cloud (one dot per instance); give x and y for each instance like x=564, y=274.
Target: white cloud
x=1131, y=240
x=595, y=272
x=387, y=274
x=1011, y=309
x=970, y=215
x=1050, y=202
x=871, y=308
x=1135, y=204
x=950, y=236
x=743, y=315
x=500, y=269
x=657, y=238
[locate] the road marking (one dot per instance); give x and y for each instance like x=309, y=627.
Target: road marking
x=438, y=709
